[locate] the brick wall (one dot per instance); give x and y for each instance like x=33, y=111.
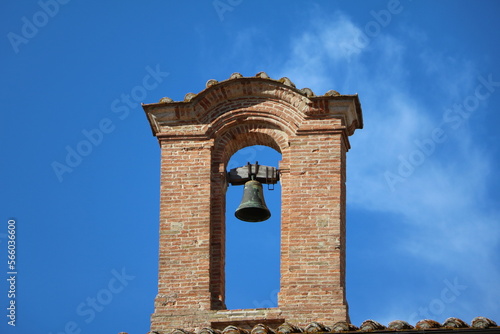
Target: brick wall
x=313, y=230
x=197, y=138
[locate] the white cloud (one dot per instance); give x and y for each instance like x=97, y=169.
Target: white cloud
x=329, y=41
x=443, y=199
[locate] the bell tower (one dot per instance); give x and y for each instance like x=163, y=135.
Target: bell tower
x=197, y=137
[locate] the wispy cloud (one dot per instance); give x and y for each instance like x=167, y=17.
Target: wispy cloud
x=444, y=199
x=318, y=55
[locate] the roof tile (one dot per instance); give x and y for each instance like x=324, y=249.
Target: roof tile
x=343, y=326
x=287, y=328
x=482, y=322
x=427, y=323
x=262, y=75
x=262, y=329
x=208, y=330
x=316, y=327
x=452, y=324
x=235, y=330
x=399, y=325
x=371, y=325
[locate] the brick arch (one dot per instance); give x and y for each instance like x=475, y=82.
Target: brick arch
x=233, y=93
x=247, y=134
x=275, y=113
x=228, y=141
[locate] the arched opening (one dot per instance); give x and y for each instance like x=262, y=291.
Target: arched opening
x=253, y=249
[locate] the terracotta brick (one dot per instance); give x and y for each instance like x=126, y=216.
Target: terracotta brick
x=197, y=139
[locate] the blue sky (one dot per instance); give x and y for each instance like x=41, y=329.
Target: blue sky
x=423, y=200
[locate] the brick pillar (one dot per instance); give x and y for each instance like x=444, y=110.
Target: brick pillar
x=197, y=137
x=183, y=280
x=313, y=230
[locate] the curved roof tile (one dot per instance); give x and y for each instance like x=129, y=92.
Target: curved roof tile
x=453, y=325
x=262, y=75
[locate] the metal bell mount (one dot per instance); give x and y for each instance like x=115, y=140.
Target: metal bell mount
x=253, y=207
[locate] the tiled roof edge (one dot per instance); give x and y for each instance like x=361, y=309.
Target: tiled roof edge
x=261, y=75
x=450, y=325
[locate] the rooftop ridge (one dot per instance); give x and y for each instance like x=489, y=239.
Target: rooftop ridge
x=450, y=325
x=285, y=81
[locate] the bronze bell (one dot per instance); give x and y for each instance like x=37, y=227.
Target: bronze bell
x=253, y=207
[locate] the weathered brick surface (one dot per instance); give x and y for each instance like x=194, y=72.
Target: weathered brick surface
x=197, y=139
